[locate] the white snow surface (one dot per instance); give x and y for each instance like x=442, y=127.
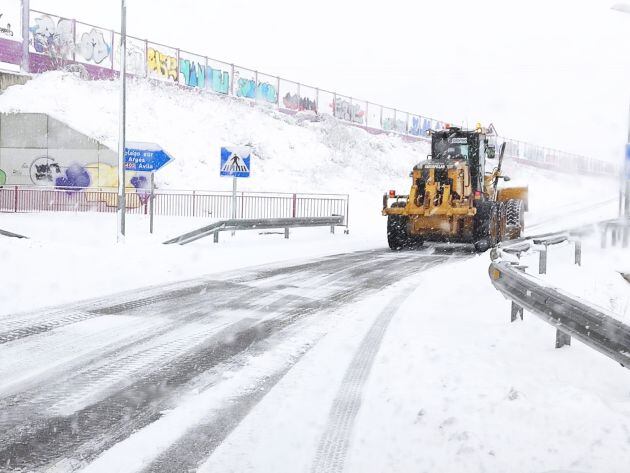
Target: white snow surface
x=453, y=387
x=598, y=281
x=75, y=255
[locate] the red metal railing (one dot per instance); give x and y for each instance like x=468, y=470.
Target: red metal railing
x=174, y=203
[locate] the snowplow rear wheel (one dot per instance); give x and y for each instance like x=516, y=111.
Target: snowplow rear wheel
x=487, y=225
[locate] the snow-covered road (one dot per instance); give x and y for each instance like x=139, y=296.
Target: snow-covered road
x=81, y=378
x=365, y=361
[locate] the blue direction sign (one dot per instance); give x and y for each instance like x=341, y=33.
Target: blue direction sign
x=147, y=157
x=236, y=162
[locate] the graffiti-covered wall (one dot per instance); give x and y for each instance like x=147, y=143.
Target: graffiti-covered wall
x=10, y=31
x=37, y=150
x=61, y=43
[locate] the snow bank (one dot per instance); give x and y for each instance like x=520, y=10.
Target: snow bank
x=292, y=152
x=456, y=387
x=598, y=281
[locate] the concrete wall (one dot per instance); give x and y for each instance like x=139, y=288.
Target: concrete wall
x=8, y=79
x=38, y=150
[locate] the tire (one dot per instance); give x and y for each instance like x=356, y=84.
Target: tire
x=487, y=226
x=515, y=212
x=502, y=222
x=397, y=238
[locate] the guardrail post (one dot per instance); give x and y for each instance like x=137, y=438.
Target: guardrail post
x=542, y=261
x=604, y=241
x=626, y=233
x=332, y=229
x=578, y=252
x=286, y=233
x=562, y=339
x=516, y=312
x=294, y=213
x=216, y=237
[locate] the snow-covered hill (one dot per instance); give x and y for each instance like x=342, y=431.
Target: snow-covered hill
x=292, y=153
x=301, y=153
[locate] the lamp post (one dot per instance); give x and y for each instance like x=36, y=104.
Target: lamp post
x=120, y=236
x=624, y=182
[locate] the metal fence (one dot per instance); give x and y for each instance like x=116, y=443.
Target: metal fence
x=183, y=203
x=56, y=42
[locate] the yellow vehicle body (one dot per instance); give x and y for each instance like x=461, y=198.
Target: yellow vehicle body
x=448, y=194
x=435, y=214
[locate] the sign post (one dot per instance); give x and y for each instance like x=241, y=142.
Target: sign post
x=151, y=197
x=146, y=157
x=122, y=123
x=235, y=163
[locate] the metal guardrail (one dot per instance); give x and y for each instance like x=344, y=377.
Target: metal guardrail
x=11, y=234
x=571, y=317
x=257, y=224
x=618, y=230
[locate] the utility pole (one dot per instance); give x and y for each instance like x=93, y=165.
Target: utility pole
x=624, y=181
x=122, y=123
x=26, y=63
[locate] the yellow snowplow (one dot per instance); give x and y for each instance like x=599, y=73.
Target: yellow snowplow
x=453, y=198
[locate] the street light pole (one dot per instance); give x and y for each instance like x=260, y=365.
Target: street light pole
x=122, y=123
x=624, y=181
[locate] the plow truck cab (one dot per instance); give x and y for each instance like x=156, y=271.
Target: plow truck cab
x=455, y=195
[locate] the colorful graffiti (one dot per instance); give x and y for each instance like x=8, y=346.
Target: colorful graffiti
x=74, y=176
x=55, y=38
x=295, y=102
x=5, y=30
x=347, y=111
x=93, y=46
x=44, y=171
x=162, y=65
x=390, y=124
x=192, y=73
x=249, y=89
x=420, y=126
x=3, y=177
x=136, y=60
x=218, y=80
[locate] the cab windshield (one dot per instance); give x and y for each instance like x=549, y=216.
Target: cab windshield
x=445, y=149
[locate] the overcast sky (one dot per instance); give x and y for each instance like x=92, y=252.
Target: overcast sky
x=553, y=72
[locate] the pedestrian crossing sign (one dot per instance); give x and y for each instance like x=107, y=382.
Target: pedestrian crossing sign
x=236, y=161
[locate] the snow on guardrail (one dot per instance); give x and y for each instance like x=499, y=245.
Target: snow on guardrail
x=571, y=317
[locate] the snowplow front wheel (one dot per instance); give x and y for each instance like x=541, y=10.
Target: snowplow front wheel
x=397, y=238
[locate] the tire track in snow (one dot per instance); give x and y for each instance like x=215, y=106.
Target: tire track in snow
x=198, y=444
x=333, y=446
x=84, y=434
